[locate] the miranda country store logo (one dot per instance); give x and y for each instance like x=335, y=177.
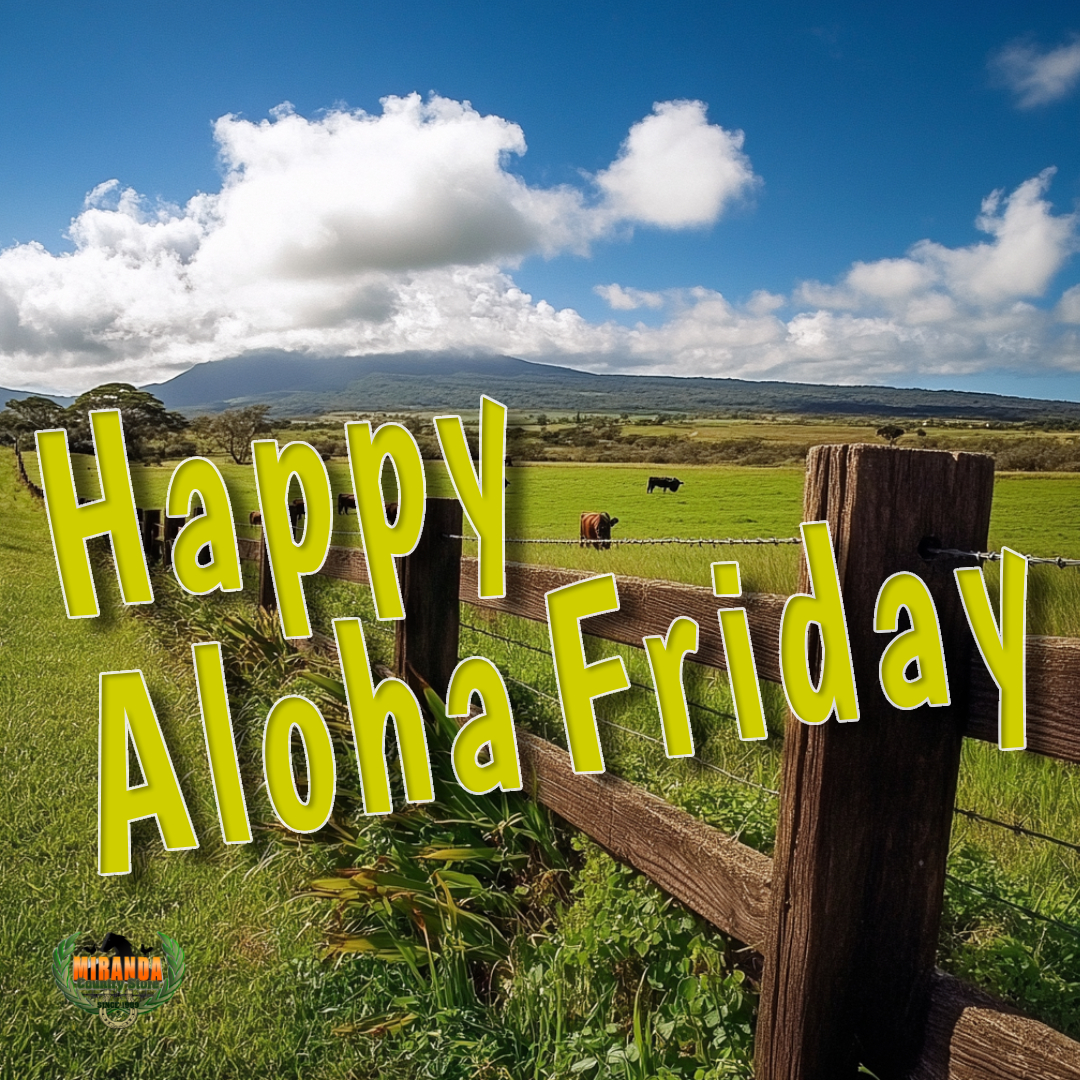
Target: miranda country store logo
x=116, y=980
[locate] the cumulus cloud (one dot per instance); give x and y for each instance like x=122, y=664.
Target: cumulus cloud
x=628, y=299
x=353, y=233
x=675, y=169
x=1035, y=77
x=340, y=233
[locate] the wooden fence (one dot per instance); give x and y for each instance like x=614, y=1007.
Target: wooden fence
x=847, y=912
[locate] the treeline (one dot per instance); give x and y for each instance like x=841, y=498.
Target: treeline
x=612, y=444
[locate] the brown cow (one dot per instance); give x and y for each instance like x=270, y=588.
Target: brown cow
x=596, y=530
x=296, y=512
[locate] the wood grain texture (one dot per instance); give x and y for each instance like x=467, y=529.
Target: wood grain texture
x=969, y=1034
x=717, y=877
x=346, y=564
x=645, y=607
x=972, y=1036
x=866, y=809
x=426, y=640
x=648, y=607
x=1053, y=698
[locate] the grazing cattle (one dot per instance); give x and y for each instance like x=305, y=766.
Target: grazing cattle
x=667, y=483
x=296, y=512
x=346, y=501
x=596, y=530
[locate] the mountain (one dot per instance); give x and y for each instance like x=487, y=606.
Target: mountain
x=8, y=395
x=298, y=385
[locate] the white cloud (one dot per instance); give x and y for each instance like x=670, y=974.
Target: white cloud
x=1038, y=78
x=334, y=233
x=628, y=299
x=677, y=170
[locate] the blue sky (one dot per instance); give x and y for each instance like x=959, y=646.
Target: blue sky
x=865, y=133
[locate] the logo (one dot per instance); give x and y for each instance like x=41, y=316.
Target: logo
x=116, y=980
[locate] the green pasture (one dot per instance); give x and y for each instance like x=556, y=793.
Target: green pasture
x=255, y=1001
x=1033, y=962
x=1034, y=513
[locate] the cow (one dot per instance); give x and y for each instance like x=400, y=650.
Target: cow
x=667, y=483
x=346, y=501
x=296, y=512
x=596, y=530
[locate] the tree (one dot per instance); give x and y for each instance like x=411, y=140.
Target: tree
x=890, y=432
x=145, y=418
x=26, y=415
x=234, y=429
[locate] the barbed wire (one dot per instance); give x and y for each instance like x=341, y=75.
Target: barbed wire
x=1059, y=561
x=1020, y=830
x=1030, y=912
x=995, y=556
x=643, y=541
x=651, y=739
x=633, y=682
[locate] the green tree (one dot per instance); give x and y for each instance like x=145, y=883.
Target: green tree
x=890, y=432
x=24, y=416
x=147, y=423
x=233, y=430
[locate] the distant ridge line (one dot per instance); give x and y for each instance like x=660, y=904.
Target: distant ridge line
x=295, y=384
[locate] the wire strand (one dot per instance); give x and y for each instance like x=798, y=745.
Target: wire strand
x=1020, y=830
x=1030, y=912
x=642, y=541
x=649, y=738
x=995, y=556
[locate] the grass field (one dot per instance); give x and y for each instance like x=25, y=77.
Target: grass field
x=1035, y=513
x=1034, y=963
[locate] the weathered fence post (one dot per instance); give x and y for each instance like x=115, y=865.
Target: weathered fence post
x=267, y=597
x=866, y=807
x=173, y=525
x=151, y=521
x=426, y=640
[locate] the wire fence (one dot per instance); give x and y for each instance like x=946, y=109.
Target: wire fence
x=702, y=541
x=1017, y=829
x=1030, y=912
x=516, y=643
x=995, y=556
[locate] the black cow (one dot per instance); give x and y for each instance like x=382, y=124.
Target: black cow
x=667, y=483
x=346, y=501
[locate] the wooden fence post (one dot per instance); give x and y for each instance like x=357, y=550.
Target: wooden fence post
x=173, y=525
x=267, y=598
x=151, y=521
x=426, y=640
x=866, y=807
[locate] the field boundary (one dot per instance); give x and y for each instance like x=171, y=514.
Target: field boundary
x=846, y=914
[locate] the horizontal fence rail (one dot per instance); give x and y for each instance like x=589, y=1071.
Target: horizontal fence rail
x=957, y=1031
x=648, y=607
